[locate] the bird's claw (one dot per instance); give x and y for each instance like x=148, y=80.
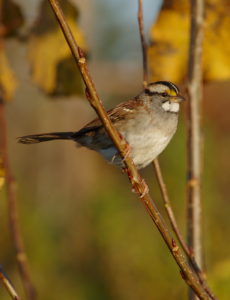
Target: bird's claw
x=144, y=192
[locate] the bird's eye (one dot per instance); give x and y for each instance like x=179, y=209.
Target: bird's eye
x=164, y=94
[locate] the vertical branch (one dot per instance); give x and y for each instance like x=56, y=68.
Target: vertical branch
x=144, y=45
x=194, y=130
x=12, y=209
x=11, y=192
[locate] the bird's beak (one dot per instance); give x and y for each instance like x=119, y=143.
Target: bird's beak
x=177, y=99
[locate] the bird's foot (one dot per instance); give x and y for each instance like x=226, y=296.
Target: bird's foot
x=145, y=190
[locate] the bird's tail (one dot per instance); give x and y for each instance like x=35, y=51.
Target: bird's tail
x=44, y=137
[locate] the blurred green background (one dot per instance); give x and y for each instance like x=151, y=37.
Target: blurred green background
x=87, y=236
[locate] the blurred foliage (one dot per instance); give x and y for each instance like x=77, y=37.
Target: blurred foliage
x=53, y=68
x=8, y=80
x=168, y=53
x=11, y=18
x=220, y=277
x=87, y=236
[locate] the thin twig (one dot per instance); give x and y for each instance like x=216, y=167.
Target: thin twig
x=156, y=164
x=194, y=131
x=157, y=168
x=144, y=45
x=12, y=209
x=11, y=193
x=137, y=182
x=172, y=219
x=168, y=206
x=8, y=285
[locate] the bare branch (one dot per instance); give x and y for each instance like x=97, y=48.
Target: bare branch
x=144, y=45
x=194, y=130
x=194, y=142
x=168, y=206
x=137, y=182
x=172, y=219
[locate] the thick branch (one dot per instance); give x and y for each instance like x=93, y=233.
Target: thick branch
x=194, y=133
x=135, y=178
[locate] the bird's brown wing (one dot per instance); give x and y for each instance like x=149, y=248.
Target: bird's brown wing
x=94, y=132
x=123, y=111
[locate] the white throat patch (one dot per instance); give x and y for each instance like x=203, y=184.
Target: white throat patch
x=171, y=106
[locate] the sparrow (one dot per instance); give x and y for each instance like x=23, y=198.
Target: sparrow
x=147, y=123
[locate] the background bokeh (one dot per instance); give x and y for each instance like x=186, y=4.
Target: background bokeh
x=87, y=236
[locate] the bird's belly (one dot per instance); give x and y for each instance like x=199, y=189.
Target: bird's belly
x=146, y=147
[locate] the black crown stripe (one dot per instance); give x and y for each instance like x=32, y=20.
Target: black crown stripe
x=169, y=85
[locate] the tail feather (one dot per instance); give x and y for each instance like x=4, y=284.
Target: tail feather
x=44, y=137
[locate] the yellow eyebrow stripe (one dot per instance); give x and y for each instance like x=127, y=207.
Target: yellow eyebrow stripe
x=172, y=93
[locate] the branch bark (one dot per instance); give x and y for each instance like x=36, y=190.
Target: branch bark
x=172, y=219
x=194, y=131
x=137, y=182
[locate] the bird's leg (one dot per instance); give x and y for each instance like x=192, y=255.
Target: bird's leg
x=125, y=170
x=143, y=183
x=146, y=188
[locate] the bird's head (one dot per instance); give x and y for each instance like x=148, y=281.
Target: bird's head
x=165, y=94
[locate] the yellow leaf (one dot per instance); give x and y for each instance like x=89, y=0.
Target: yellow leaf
x=49, y=54
x=168, y=53
x=8, y=81
x=216, y=57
